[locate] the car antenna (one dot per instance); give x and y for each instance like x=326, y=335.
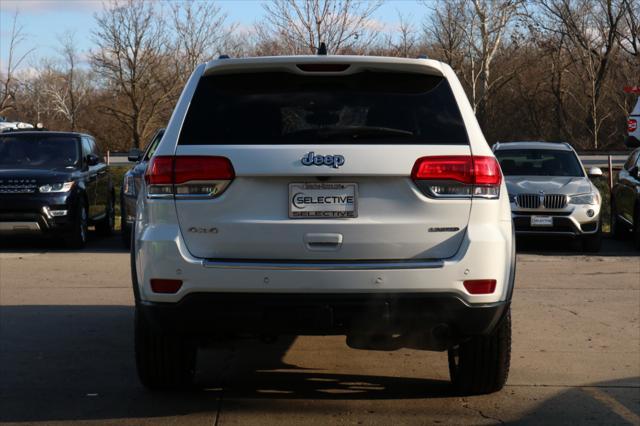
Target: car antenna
x=322, y=50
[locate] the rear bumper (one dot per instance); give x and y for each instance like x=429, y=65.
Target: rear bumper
x=440, y=319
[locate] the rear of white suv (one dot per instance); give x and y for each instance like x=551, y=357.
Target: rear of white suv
x=324, y=195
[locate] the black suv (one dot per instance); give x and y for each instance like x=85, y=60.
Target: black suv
x=131, y=183
x=625, y=204
x=54, y=183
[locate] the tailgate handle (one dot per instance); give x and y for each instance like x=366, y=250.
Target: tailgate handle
x=324, y=241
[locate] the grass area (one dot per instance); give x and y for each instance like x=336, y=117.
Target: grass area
x=117, y=173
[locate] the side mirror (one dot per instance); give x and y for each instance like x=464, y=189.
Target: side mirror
x=92, y=160
x=134, y=155
x=595, y=172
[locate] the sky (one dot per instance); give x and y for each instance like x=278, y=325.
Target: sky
x=44, y=20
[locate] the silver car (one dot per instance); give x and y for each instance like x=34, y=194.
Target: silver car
x=549, y=191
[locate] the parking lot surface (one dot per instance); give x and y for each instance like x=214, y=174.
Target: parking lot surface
x=66, y=353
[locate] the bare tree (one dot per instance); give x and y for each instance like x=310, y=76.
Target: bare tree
x=9, y=83
x=132, y=60
x=404, y=40
x=469, y=34
x=590, y=30
x=201, y=32
x=67, y=85
x=443, y=28
x=300, y=26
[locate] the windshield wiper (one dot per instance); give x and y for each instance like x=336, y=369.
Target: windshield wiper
x=354, y=132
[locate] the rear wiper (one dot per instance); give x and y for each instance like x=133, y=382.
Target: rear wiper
x=355, y=132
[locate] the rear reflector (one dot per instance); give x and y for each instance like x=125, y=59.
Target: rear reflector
x=165, y=286
x=458, y=176
x=480, y=286
x=188, y=176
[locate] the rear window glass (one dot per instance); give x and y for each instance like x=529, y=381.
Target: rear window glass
x=539, y=162
x=284, y=108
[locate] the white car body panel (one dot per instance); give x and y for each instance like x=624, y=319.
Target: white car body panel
x=395, y=228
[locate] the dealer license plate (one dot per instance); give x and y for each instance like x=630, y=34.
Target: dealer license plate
x=323, y=200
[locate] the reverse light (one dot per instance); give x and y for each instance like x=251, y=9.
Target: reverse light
x=480, y=286
x=188, y=176
x=159, y=285
x=461, y=176
x=56, y=187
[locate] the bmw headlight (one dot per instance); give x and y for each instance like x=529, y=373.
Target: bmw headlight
x=592, y=198
x=129, y=187
x=56, y=187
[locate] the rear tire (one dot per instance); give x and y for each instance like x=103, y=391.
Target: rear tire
x=106, y=225
x=164, y=361
x=618, y=229
x=481, y=364
x=77, y=237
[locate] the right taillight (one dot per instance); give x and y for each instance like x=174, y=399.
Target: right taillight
x=188, y=176
x=458, y=176
x=632, y=125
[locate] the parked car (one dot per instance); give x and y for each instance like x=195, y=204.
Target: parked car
x=6, y=125
x=625, y=199
x=633, y=132
x=54, y=183
x=549, y=191
x=345, y=195
x=131, y=184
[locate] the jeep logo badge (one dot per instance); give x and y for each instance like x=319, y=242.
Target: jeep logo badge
x=311, y=159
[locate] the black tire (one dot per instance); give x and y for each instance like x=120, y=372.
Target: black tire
x=163, y=361
x=77, y=237
x=480, y=365
x=125, y=230
x=592, y=243
x=105, y=226
x=618, y=229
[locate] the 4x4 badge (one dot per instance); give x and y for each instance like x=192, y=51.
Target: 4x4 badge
x=311, y=159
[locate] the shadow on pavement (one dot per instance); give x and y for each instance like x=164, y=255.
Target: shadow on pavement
x=559, y=246
x=30, y=244
x=63, y=363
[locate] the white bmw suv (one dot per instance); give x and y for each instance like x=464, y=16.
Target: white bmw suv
x=324, y=195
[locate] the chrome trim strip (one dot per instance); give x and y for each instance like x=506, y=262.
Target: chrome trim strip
x=291, y=265
x=19, y=227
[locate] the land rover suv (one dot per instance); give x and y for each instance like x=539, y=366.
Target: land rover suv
x=324, y=195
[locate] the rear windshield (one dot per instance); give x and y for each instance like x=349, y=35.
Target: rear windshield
x=284, y=108
x=38, y=151
x=539, y=162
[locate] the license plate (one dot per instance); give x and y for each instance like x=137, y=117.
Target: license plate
x=323, y=200
x=541, y=220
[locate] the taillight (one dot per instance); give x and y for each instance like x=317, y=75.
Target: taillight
x=458, y=176
x=632, y=125
x=480, y=286
x=188, y=176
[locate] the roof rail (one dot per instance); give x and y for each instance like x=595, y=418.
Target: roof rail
x=223, y=57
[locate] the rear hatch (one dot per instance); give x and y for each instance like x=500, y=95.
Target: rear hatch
x=321, y=166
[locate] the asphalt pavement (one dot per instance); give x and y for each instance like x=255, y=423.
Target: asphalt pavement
x=66, y=353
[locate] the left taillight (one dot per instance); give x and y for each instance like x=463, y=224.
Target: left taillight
x=632, y=125
x=458, y=176
x=188, y=176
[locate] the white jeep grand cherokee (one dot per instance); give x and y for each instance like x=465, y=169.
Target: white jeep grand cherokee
x=324, y=195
